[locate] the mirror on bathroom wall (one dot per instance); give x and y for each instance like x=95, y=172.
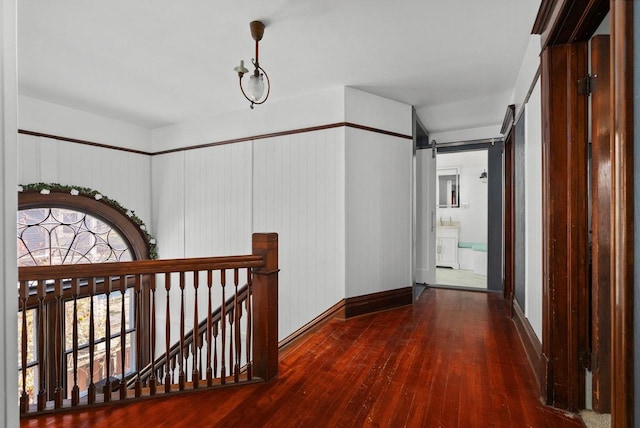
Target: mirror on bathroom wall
x=448, y=189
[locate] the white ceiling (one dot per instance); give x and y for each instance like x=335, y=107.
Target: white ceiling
x=157, y=62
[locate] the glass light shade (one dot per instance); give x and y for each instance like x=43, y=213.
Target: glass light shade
x=256, y=87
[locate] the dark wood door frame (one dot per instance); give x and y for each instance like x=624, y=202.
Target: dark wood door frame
x=564, y=26
x=565, y=224
x=622, y=192
x=601, y=222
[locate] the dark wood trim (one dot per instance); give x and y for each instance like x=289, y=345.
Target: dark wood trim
x=509, y=244
x=290, y=342
x=374, y=302
x=530, y=342
x=508, y=120
x=223, y=142
x=622, y=298
x=568, y=21
x=360, y=305
x=283, y=133
x=565, y=228
x=601, y=209
x=84, y=142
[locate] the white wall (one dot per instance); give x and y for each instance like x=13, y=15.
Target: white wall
x=208, y=201
x=8, y=271
x=378, y=207
x=298, y=192
x=527, y=73
x=122, y=176
x=318, y=108
x=378, y=195
x=41, y=116
x=473, y=210
x=533, y=211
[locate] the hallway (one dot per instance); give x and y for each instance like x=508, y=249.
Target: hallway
x=451, y=360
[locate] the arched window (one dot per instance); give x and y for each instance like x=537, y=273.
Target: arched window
x=63, y=228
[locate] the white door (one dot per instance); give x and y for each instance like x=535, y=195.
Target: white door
x=425, y=217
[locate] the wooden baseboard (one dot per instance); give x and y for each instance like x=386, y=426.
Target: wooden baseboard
x=335, y=311
x=383, y=300
x=530, y=342
x=351, y=307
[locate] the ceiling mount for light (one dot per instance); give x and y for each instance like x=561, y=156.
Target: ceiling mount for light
x=256, y=87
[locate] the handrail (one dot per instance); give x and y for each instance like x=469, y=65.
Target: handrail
x=93, y=307
x=138, y=267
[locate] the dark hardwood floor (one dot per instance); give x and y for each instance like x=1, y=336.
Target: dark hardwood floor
x=451, y=360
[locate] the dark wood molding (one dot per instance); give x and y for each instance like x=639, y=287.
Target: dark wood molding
x=508, y=121
x=622, y=298
x=283, y=133
x=564, y=197
x=348, y=308
x=383, y=300
x=223, y=142
x=530, y=342
x=84, y=142
x=289, y=343
x=601, y=208
x=568, y=21
x=509, y=244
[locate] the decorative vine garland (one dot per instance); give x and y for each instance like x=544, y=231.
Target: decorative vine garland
x=46, y=188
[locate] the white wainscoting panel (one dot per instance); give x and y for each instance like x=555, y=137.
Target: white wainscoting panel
x=378, y=212
x=167, y=189
x=122, y=176
x=299, y=194
x=217, y=200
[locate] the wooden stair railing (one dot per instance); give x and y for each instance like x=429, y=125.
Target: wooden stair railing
x=241, y=333
x=208, y=327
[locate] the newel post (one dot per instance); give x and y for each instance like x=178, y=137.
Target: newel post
x=265, y=307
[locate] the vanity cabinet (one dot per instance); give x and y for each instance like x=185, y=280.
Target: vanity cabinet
x=447, y=247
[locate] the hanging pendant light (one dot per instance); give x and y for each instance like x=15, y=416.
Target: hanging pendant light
x=259, y=80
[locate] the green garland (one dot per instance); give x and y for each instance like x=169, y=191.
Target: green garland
x=46, y=188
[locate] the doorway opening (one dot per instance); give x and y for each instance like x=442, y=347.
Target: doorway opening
x=462, y=219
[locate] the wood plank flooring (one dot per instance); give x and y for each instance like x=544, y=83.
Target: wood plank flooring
x=453, y=359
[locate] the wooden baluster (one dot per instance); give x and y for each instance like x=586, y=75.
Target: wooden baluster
x=152, y=345
x=195, y=374
x=75, y=391
x=210, y=375
x=42, y=357
x=167, y=376
x=200, y=345
x=123, y=338
x=248, y=335
x=236, y=312
x=59, y=343
x=24, y=346
x=139, y=344
x=181, y=379
x=231, y=318
x=215, y=349
x=106, y=390
x=173, y=369
x=91, y=391
x=223, y=368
